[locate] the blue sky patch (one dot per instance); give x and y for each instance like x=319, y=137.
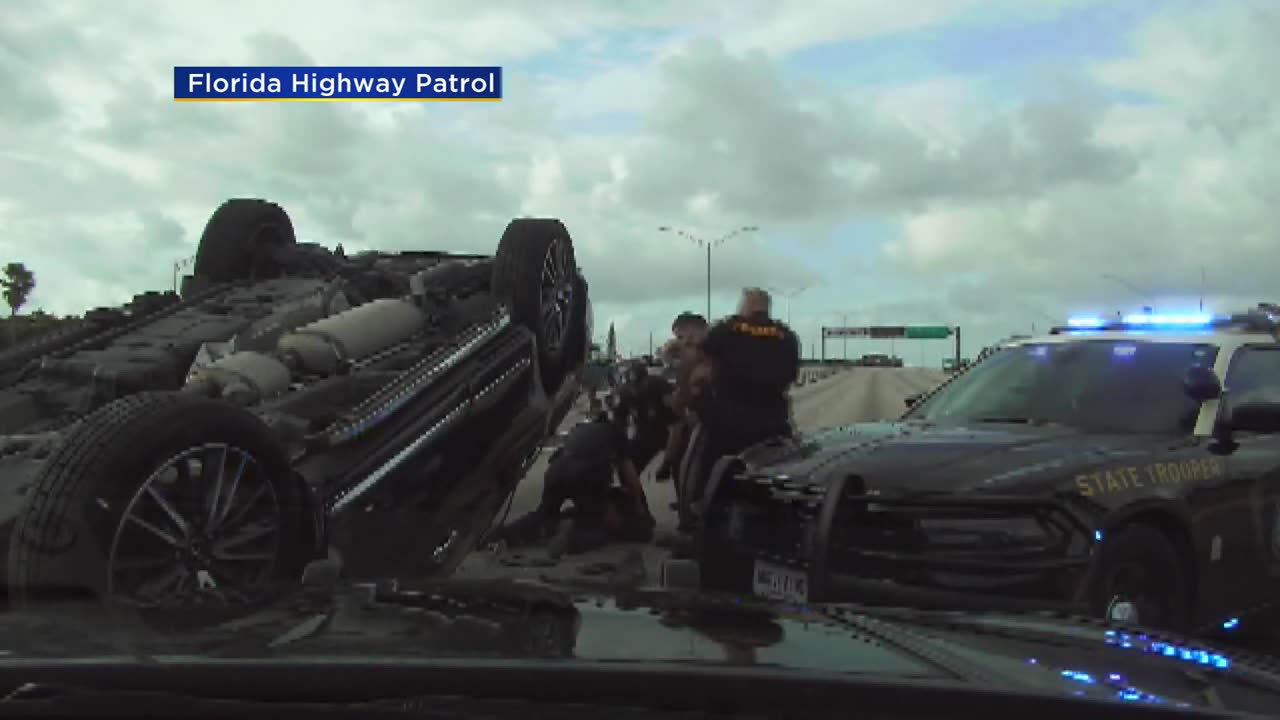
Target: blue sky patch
x=1008, y=57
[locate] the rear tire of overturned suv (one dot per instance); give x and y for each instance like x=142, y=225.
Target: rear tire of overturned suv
x=238, y=241
x=536, y=271
x=174, y=507
x=1141, y=579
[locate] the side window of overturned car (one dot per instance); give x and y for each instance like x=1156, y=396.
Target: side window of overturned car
x=1254, y=375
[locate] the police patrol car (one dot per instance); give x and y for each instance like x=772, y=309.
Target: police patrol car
x=1128, y=469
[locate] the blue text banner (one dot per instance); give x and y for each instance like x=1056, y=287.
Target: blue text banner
x=338, y=84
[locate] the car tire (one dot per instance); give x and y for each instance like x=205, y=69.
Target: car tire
x=1141, y=579
x=239, y=240
x=101, y=519
x=536, y=272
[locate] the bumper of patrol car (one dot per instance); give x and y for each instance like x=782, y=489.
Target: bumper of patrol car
x=795, y=541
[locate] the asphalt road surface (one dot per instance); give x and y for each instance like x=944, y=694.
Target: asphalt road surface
x=848, y=396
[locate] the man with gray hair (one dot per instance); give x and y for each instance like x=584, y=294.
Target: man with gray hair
x=754, y=360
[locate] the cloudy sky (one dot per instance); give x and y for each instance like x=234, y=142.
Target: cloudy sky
x=992, y=164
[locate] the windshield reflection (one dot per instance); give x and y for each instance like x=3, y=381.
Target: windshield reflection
x=1118, y=386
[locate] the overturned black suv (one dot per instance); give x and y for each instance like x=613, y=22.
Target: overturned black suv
x=1127, y=470
x=292, y=405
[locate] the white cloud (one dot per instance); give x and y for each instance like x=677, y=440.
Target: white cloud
x=1007, y=209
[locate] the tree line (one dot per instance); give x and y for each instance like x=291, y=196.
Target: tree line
x=17, y=282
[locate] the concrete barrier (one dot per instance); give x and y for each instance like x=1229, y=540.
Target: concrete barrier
x=809, y=373
x=815, y=373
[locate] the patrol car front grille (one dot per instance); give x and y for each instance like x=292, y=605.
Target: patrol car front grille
x=773, y=517
x=910, y=538
x=913, y=538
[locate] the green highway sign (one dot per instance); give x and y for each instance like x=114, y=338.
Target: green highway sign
x=844, y=332
x=887, y=331
x=928, y=332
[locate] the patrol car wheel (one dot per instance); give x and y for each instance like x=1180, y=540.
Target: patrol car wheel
x=1141, y=580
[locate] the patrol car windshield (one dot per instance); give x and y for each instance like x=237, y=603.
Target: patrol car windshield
x=1111, y=386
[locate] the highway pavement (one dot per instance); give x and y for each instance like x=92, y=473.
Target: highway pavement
x=842, y=397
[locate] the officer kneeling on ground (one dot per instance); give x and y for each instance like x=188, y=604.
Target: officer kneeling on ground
x=582, y=471
x=754, y=362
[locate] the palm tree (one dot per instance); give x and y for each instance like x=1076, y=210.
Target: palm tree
x=18, y=283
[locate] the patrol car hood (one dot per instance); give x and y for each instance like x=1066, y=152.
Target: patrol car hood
x=916, y=456
x=466, y=621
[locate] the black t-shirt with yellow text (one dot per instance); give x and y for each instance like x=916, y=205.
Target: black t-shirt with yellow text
x=756, y=360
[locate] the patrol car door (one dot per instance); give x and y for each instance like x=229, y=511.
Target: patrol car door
x=1254, y=494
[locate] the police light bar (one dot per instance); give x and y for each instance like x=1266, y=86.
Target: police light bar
x=1252, y=321
x=1191, y=320
x=1146, y=321
x=1176, y=321
x=1086, y=323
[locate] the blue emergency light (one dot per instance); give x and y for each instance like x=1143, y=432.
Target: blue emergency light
x=1152, y=321
x=1261, y=320
x=1085, y=323
x=1171, y=321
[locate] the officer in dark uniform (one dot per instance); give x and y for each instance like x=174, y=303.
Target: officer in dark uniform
x=582, y=471
x=644, y=402
x=754, y=362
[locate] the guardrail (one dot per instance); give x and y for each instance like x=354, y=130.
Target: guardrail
x=596, y=377
x=813, y=374
x=810, y=373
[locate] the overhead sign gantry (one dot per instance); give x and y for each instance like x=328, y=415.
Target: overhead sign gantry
x=892, y=332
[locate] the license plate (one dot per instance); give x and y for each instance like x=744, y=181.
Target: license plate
x=780, y=583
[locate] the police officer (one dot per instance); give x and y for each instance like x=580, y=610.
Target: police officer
x=687, y=330
x=582, y=471
x=683, y=353
x=644, y=402
x=754, y=362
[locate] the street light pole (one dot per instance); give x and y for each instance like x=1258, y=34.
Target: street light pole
x=708, y=282
x=1140, y=292
x=844, y=339
x=1053, y=322
x=709, y=244
x=789, y=295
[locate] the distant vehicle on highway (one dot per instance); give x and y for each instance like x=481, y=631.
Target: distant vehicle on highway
x=878, y=360
x=949, y=364
x=294, y=404
x=1128, y=470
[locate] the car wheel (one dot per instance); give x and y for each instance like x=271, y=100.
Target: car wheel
x=536, y=271
x=179, y=508
x=1141, y=580
x=238, y=241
